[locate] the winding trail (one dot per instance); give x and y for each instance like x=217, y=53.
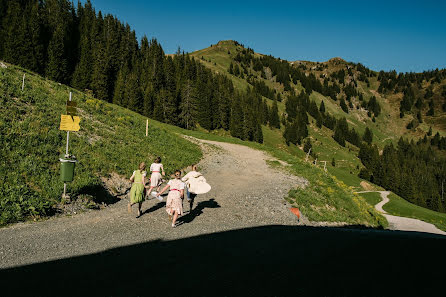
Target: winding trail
x=246, y=192
x=403, y=223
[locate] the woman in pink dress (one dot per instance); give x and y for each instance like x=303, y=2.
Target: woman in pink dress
x=174, y=203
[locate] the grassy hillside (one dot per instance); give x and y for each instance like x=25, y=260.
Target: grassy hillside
x=388, y=126
x=111, y=140
x=399, y=207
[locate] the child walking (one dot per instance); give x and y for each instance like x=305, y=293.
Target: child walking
x=137, y=191
x=174, y=203
x=156, y=179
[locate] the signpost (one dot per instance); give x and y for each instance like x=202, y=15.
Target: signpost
x=69, y=122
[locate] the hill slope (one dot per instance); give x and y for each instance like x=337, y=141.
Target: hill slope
x=340, y=81
x=111, y=141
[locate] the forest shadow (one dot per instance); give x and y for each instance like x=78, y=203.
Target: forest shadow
x=261, y=261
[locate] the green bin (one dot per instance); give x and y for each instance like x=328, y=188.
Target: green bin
x=67, y=168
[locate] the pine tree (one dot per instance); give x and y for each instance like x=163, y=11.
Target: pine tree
x=57, y=64
x=274, y=120
x=12, y=26
x=237, y=119
x=119, y=93
x=307, y=145
x=231, y=68
x=322, y=107
x=340, y=131
x=343, y=105
x=368, y=136
x=188, y=106
x=266, y=113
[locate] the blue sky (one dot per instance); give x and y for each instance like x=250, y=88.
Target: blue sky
x=383, y=35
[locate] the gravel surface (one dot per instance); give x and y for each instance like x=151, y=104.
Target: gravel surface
x=246, y=192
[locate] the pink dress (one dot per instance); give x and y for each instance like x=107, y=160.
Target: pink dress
x=174, y=202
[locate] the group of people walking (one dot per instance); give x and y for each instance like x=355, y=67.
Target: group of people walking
x=191, y=184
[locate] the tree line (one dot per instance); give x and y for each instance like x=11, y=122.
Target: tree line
x=415, y=171
x=82, y=48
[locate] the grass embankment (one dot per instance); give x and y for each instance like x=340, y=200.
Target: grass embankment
x=111, y=139
x=399, y=207
x=372, y=198
x=325, y=198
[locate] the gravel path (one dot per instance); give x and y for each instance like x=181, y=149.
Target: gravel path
x=403, y=223
x=246, y=192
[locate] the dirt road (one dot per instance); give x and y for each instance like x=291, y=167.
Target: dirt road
x=246, y=192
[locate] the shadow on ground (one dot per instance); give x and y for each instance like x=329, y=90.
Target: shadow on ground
x=99, y=193
x=262, y=261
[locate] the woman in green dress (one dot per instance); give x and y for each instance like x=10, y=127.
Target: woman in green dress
x=137, y=191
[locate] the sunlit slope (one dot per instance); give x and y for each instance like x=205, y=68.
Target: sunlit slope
x=111, y=140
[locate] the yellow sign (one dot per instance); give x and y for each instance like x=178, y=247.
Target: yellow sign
x=69, y=123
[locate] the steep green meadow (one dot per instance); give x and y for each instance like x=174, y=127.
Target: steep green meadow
x=111, y=140
x=387, y=128
x=399, y=207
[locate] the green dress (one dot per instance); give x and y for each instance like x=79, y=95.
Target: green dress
x=137, y=190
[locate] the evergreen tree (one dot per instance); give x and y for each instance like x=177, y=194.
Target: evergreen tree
x=274, y=120
x=237, y=119
x=340, y=131
x=266, y=113
x=188, y=106
x=307, y=145
x=343, y=105
x=57, y=64
x=322, y=107
x=368, y=136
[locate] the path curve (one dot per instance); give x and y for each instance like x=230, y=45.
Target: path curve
x=246, y=192
x=403, y=223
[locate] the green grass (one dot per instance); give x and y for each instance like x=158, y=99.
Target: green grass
x=372, y=198
x=399, y=207
x=111, y=139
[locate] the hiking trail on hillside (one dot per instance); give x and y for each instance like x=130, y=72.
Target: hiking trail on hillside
x=403, y=223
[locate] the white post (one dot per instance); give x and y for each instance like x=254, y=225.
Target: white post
x=66, y=155
x=23, y=82
x=325, y=166
x=147, y=127
x=306, y=158
x=315, y=162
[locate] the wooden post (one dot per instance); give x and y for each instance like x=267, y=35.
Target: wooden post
x=325, y=166
x=66, y=155
x=306, y=158
x=147, y=127
x=23, y=82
